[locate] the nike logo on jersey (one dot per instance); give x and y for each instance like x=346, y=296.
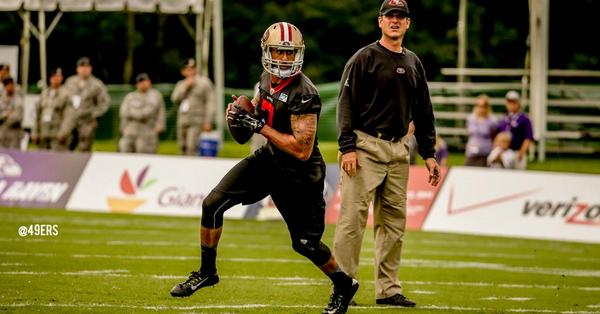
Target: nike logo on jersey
x=305, y=100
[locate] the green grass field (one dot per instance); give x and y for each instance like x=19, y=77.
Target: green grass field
x=120, y=263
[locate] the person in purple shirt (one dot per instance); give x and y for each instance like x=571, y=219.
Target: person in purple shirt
x=482, y=128
x=519, y=126
x=441, y=150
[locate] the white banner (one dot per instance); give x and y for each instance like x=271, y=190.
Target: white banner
x=529, y=204
x=149, y=184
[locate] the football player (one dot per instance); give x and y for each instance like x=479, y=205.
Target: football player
x=289, y=167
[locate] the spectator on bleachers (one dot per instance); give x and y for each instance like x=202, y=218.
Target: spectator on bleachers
x=502, y=156
x=482, y=127
x=519, y=125
x=441, y=150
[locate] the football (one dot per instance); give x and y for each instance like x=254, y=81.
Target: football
x=241, y=134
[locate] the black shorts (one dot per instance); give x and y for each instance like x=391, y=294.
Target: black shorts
x=300, y=203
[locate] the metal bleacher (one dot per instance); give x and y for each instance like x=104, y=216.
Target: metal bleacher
x=573, y=105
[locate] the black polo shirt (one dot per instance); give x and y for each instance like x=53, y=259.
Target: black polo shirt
x=381, y=92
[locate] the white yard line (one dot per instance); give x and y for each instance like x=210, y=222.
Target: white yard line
x=495, y=298
x=145, y=243
x=422, y=292
x=415, y=263
x=13, y=264
x=594, y=306
x=291, y=280
x=421, y=263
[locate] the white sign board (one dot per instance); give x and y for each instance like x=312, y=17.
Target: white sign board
x=542, y=205
x=149, y=184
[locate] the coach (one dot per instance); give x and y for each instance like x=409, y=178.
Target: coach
x=383, y=88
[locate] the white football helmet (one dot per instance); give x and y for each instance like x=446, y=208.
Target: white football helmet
x=282, y=36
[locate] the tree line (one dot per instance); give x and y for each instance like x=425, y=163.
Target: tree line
x=333, y=31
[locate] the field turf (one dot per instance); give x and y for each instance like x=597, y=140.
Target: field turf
x=111, y=263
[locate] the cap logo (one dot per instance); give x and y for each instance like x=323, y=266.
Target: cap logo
x=400, y=70
x=396, y=2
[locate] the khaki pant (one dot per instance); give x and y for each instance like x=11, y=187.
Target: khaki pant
x=11, y=137
x=51, y=143
x=381, y=178
x=145, y=143
x=86, y=134
x=187, y=139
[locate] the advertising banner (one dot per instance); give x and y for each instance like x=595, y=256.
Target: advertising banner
x=149, y=184
x=528, y=204
x=38, y=179
x=163, y=185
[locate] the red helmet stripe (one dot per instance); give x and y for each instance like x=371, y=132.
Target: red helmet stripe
x=281, y=31
x=289, y=26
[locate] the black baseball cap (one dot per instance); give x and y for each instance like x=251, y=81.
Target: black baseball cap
x=57, y=71
x=394, y=5
x=191, y=63
x=84, y=61
x=142, y=77
x=8, y=80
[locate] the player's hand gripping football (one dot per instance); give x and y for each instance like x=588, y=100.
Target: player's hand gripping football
x=242, y=118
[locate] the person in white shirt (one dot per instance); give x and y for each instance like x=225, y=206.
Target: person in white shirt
x=502, y=156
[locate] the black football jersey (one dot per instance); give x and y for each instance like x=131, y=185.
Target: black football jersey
x=294, y=96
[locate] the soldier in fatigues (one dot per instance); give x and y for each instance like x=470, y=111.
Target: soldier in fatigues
x=196, y=98
x=11, y=115
x=89, y=100
x=51, y=130
x=142, y=117
x=4, y=74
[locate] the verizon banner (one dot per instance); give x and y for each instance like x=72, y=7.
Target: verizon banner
x=531, y=204
x=38, y=179
x=149, y=184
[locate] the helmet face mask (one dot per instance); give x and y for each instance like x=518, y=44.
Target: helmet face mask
x=282, y=36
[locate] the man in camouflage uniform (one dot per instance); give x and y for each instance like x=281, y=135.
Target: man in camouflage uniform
x=196, y=98
x=142, y=115
x=4, y=74
x=11, y=115
x=51, y=130
x=89, y=100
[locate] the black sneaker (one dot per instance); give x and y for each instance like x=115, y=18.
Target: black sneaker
x=339, y=300
x=397, y=300
x=194, y=282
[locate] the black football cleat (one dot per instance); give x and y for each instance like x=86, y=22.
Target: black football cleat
x=195, y=282
x=339, y=300
x=397, y=300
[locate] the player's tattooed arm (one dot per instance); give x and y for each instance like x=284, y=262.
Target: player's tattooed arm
x=300, y=143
